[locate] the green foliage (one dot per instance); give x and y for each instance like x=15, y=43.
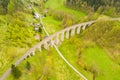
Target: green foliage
x=110, y=11
x=66, y=18
x=50, y=22
x=1, y=9
x=12, y=6
x=3, y=6
x=90, y=17
x=16, y=72
x=16, y=33
x=110, y=7
x=5, y=3
x=58, y=15
x=19, y=32
x=105, y=34
x=94, y=71
x=98, y=60
x=19, y=36
x=15, y=5
x=28, y=66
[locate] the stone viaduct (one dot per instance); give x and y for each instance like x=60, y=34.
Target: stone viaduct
x=53, y=39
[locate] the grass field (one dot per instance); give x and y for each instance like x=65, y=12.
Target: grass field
x=51, y=25
x=107, y=69
x=94, y=57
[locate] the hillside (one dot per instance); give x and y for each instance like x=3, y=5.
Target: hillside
x=95, y=52
x=107, y=7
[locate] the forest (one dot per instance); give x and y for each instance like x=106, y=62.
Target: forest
x=107, y=7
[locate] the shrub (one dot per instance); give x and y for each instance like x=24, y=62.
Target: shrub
x=28, y=66
x=110, y=11
x=66, y=18
x=58, y=15
x=94, y=71
x=18, y=36
x=16, y=72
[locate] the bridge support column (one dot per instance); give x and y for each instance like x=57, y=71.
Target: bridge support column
x=67, y=34
x=33, y=53
x=51, y=42
x=62, y=36
x=84, y=26
x=57, y=40
x=89, y=24
x=73, y=32
x=29, y=55
x=78, y=30
x=46, y=45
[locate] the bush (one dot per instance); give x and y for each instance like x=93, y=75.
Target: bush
x=90, y=17
x=3, y=6
x=18, y=36
x=110, y=11
x=15, y=5
x=16, y=72
x=28, y=66
x=66, y=18
x=58, y=15
x=94, y=71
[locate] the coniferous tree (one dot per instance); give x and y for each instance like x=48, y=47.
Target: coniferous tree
x=16, y=72
x=28, y=66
